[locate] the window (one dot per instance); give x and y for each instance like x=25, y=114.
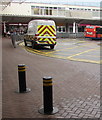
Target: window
x=70, y=8
x=55, y=7
x=97, y=10
x=44, y=10
x=89, y=9
x=41, y=10
x=61, y=29
x=82, y=9
x=91, y=27
x=99, y=30
x=74, y=8
x=36, y=11
x=94, y=10
x=48, y=11
x=78, y=9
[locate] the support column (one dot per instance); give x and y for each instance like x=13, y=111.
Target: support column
x=4, y=28
x=74, y=27
x=69, y=29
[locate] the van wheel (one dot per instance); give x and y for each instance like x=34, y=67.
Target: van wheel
x=25, y=43
x=33, y=45
x=52, y=46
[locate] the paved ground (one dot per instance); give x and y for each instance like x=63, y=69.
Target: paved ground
x=72, y=49
x=0, y=77
x=76, y=85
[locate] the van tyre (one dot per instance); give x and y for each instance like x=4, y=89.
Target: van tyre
x=25, y=42
x=52, y=46
x=34, y=45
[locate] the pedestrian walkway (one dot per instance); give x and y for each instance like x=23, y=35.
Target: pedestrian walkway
x=80, y=108
x=76, y=86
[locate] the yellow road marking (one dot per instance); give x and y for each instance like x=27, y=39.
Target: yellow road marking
x=70, y=57
x=64, y=57
x=84, y=60
x=64, y=49
x=82, y=52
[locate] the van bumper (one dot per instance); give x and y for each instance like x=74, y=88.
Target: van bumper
x=42, y=43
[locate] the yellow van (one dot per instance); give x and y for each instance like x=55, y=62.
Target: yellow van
x=41, y=32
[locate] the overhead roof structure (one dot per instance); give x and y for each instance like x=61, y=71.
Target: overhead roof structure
x=5, y=3
x=20, y=1
x=26, y=18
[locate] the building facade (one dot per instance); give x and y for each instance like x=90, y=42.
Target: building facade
x=68, y=18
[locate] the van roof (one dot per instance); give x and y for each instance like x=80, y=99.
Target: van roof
x=42, y=22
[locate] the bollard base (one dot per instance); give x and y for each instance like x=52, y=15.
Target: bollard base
x=27, y=90
x=55, y=110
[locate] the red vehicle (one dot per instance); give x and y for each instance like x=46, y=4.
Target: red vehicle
x=93, y=32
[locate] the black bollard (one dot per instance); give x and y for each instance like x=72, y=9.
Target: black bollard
x=48, y=97
x=22, y=79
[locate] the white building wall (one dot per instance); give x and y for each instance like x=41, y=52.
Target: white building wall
x=79, y=14
x=25, y=9
x=18, y=9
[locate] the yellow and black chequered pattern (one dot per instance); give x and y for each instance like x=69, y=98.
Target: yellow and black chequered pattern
x=46, y=34
x=49, y=33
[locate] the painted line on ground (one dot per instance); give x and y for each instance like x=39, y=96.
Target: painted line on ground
x=64, y=49
x=82, y=52
x=64, y=57
x=83, y=60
